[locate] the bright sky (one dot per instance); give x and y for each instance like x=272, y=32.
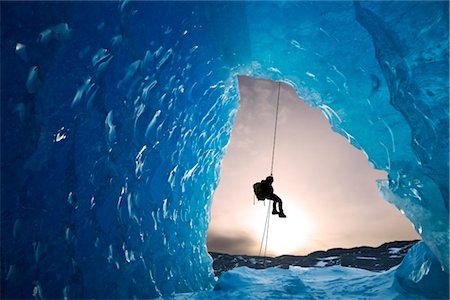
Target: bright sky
x=328, y=189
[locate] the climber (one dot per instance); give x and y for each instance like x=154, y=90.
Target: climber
x=264, y=190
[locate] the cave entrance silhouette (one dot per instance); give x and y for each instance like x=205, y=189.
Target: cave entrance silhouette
x=327, y=184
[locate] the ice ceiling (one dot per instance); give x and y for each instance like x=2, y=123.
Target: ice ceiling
x=116, y=115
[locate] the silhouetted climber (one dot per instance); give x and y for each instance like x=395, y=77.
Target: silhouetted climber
x=264, y=190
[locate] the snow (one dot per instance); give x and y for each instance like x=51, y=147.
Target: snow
x=322, y=262
x=387, y=62
x=366, y=257
x=329, y=258
x=396, y=250
x=418, y=274
x=301, y=283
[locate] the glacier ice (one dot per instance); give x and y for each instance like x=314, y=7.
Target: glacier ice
x=410, y=280
x=334, y=282
x=420, y=273
x=145, y=93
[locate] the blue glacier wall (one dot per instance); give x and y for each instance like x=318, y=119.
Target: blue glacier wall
x=420, y=273
x=115, y=117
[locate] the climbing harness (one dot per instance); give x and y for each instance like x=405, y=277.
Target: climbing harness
x=265, y=236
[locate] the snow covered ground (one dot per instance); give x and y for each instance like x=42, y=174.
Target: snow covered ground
x=304, y=283
x=419, y=276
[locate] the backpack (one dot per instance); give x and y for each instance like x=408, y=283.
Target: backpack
x=259, y=191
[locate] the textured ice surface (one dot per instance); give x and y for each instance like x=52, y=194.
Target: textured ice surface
x=115, y=118
x=419, y=275
x=304, y=283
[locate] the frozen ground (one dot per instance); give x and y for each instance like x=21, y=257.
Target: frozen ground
x=304, y=283
x=419, y=276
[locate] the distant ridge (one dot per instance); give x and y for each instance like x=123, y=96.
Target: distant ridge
x=381, y=258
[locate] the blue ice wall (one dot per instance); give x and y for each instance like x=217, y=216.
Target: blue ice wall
x=115, y=117
x=420, y=273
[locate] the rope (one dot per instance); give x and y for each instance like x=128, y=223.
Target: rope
x=275, y=131
x=265, y=236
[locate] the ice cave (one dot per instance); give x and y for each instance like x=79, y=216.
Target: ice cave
x=115, y=117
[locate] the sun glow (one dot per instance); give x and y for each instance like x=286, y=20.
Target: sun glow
x=286, y=236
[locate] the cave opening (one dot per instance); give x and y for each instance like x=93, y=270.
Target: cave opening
x=328, y=187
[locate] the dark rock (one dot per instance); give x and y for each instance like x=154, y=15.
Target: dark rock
x=377, y=259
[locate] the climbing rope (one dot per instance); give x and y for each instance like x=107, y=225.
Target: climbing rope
x=265, y=236
x=275, y=130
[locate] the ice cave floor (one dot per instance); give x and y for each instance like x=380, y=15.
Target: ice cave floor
x=304, y=283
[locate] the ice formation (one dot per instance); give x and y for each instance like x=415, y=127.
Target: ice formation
x=301, y=284
x=334, y=282
x=115, y=117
